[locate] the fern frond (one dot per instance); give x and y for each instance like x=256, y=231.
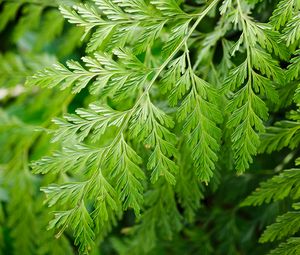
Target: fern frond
x=247, y=81
x=277, y=188
x=60, y=75
x=198, y=112
x=226, y=4
x=292, y=30
x=111, y=10
x=92, y=122
x=105, y=202
x=200, y=115
x=293, y=71
x=123, y=162
x=283, y=13
x=106, y=205
x=75, y=158
x=267, y=38
x=290, y=247
x=286, y=225
x=169, y=8
x=63, y=194
x=282, y=134
x=266, y=65
x=117, y=21
x=84, y=235
x=86, y=16
x=177, y=35
x=105, y=74
x=111, y=173
x=150, y=125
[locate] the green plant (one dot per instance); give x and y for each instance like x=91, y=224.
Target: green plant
x=169, y=102
x=284, y=133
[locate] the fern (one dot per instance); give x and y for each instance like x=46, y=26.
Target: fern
x=112, y=76
x=287, y=248
x=283, y=13
x=255, y=76
x=279, y=187
x=283, y=134
x=292, y=30
x=143, y=119
x=168, y=98
x=286, y=224
x=199, y=100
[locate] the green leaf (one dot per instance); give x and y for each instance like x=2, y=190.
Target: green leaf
x=200, y=114
x=150, y=124
x=286, y=225
x=290, y=247
x=169, y=8
x=123, y=162
x=293, y=71
x=92, y=122
x=82, y=227
x=73, y=158
x=282, y=134
x=276, y=188
x=292, y=30
x=282, y=13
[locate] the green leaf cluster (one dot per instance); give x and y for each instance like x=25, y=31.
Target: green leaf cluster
x=161, y=110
